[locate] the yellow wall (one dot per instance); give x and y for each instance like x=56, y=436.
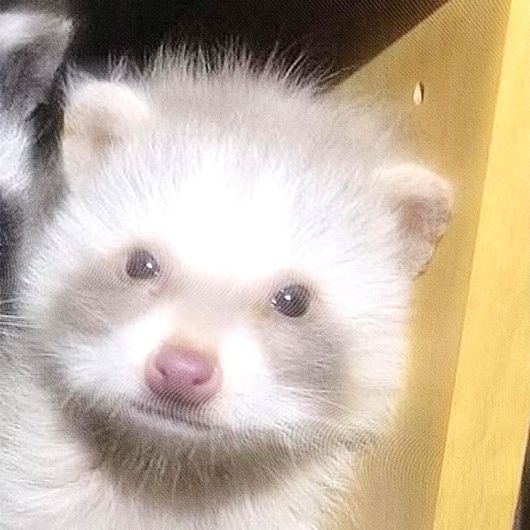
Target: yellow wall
x=467, y=324
x=491, y=400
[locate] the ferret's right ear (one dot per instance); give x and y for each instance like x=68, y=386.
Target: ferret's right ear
x=98, y=115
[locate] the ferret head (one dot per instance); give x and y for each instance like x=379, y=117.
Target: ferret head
x=231, y=264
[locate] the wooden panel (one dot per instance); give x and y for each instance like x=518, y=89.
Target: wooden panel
x=491, y=401
x=457, y=55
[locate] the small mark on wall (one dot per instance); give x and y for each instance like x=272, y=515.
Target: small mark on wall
x=418, y=94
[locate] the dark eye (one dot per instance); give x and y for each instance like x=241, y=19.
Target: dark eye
x=292, y=301
x=142, y=265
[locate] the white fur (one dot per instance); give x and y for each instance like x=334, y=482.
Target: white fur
x=17, y=29
x=14, y=177
x=241, y=184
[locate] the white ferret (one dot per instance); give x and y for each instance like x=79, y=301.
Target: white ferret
x=213, y=321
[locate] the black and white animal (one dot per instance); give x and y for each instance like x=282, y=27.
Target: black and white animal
x=213, y=321
x=32, y=47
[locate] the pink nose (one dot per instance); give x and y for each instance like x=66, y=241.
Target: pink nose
x=177, y=374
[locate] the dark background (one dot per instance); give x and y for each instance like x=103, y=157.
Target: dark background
x=335, y=34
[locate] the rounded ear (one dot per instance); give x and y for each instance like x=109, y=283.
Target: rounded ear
x=97, y=115
x=32, y=47
x=423, y=203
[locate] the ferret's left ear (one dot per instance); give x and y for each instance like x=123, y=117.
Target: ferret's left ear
x=423, y=203
x=97, y=116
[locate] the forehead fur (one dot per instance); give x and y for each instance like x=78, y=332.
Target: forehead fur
x=213, y=225
x=240, y=171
